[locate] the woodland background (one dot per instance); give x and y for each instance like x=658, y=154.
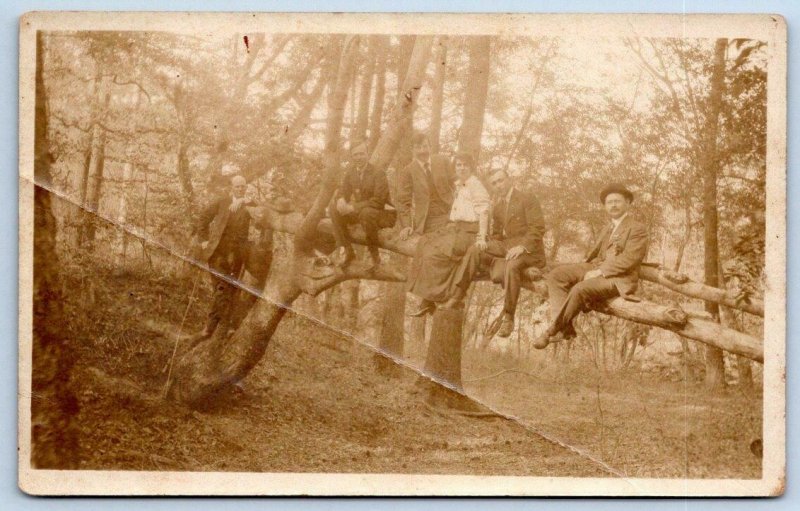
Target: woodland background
x=140, y=127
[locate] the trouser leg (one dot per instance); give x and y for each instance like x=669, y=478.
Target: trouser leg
x=560, y=280
x=512, y=282
x=339, y=223
x=579, y=296
x=369, y=220
x=227, y=265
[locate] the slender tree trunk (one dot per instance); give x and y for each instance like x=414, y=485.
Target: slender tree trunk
x=122, y=210
x=437, y=102
x=391, y=333
x=715, y=362
x=54, y=440
x=476, y=92
x=359, y=132
x=687, y=236
x=96, y=167
x=182, y=169
x=376, y=118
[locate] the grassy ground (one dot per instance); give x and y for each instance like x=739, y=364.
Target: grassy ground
x=316, y=403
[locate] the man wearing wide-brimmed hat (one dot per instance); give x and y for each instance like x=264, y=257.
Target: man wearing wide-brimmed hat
x=611, y=269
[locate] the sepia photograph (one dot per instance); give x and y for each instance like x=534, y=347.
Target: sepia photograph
x=402, y=254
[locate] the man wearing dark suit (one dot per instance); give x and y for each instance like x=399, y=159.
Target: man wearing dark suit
x=611, y=269
x=424, y=196
x=223, y=229
x=361, y=199
x=516, y=244
x=424, y=190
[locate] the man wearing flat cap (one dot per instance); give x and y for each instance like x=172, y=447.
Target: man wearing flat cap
x=611, y=269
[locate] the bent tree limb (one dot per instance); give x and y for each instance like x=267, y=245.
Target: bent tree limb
x=671, y=318
x=681, y=284
x=213, y=366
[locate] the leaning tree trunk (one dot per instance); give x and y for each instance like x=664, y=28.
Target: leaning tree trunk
x=213, y=366
x=475, y=98
x=54, y=440
x=715, y=362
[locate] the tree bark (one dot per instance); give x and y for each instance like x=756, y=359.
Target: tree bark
x=391, y=137
x=359, y=132
x=391, y=339
x=212, y=366
x=715, y=362
x=681, y=284
x=437, y=102
x=667, y=317
x=182, y=169
x=376, y=117
x=96, y=163
x=54, y=440
x=476, y=92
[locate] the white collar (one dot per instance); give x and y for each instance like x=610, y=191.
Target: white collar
x=508, y=195
x=459, y=182
x=617, y=221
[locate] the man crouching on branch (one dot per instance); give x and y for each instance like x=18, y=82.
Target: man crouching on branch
x=611, y=268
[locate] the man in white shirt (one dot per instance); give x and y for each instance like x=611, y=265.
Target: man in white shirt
x=611, y=269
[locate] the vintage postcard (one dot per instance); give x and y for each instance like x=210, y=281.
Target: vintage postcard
x=402, y=254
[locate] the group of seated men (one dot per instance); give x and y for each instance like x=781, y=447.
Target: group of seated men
x=440, y=201
x=462, y=229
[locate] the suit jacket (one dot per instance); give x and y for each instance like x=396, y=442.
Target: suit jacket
x=371, y=190
x=619, y=256
x=223, y=229
x=520, y=222
x=413, y=196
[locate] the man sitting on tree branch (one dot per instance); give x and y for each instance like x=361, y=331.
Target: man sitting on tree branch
x=611, y=268
x=361, y=199
x=515, y=244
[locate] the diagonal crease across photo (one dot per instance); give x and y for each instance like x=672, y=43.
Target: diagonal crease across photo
x=394, y=254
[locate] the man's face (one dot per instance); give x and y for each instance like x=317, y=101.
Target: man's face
x=359, y=156
x=500, y=183
x=616, y=205
x=239, y=188
x=422, y=150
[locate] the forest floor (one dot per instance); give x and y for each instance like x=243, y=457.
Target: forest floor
x=317, y=403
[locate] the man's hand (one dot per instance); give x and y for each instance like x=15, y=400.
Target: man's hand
x=593, y=274
x=515, y=252
x=344, y=207
x=405, y=233
x=204, y=245
x=481, y=244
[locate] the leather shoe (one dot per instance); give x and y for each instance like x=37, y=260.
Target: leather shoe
x=543, y=340
x=506, y=327
x=426, y=307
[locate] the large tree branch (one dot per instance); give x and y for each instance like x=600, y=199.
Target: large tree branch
x=671, y=317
